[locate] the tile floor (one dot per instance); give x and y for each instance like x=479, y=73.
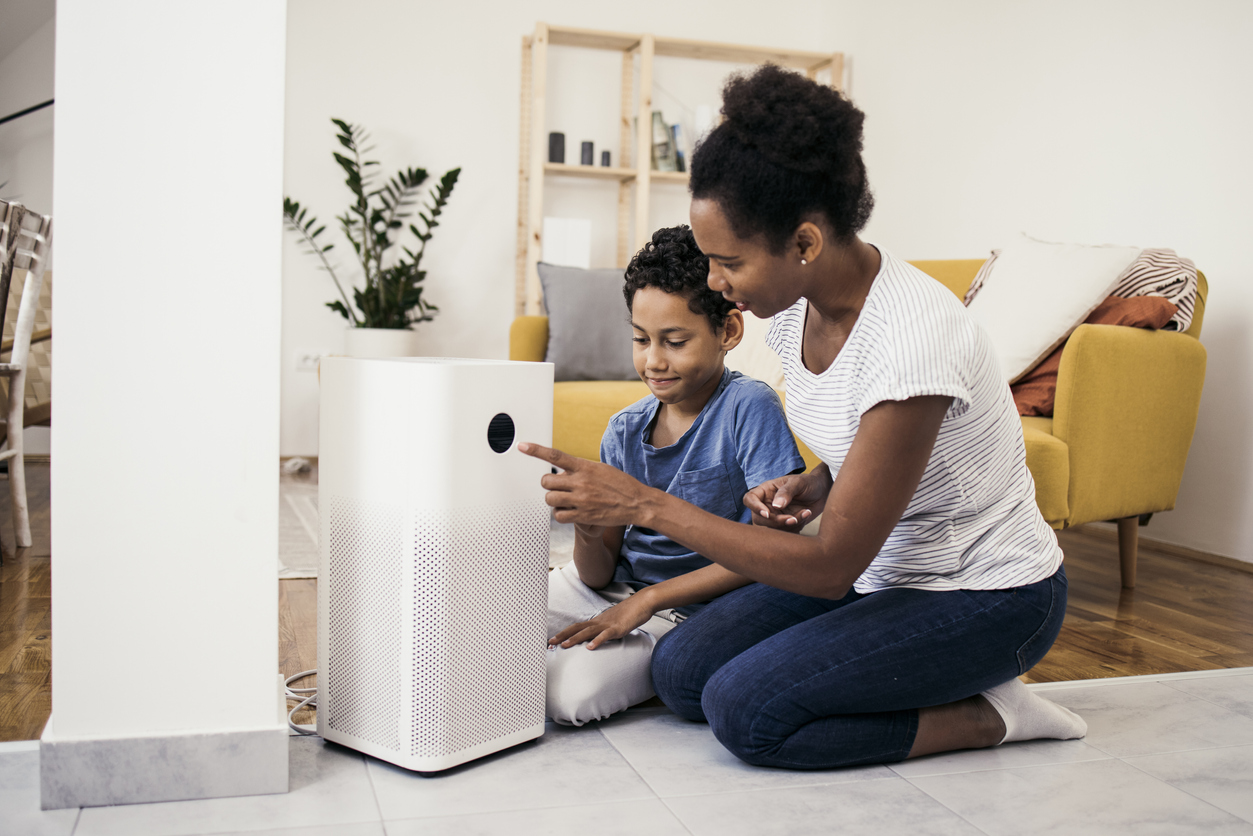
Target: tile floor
x=1169, y=754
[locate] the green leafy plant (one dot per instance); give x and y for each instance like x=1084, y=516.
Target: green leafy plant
x=373, y=224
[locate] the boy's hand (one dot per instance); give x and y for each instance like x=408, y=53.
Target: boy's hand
x=613, y=623
x=788, y=502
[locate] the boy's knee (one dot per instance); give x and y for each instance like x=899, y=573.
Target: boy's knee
x=568, y=702
x=585, y=685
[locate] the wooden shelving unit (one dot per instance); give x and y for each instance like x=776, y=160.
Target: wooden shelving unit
x=633, y=183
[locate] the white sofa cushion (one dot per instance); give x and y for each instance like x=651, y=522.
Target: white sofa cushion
x=1038, y=292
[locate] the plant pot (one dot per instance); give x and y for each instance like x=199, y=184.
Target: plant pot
x=381, y=342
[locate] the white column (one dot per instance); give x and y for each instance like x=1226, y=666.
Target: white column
x=168, y=186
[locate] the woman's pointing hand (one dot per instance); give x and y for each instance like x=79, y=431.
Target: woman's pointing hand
x=589, y=492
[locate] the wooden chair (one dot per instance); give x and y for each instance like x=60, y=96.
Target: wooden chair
x=25, y=239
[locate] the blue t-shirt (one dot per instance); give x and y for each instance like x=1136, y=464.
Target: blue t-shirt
x=739, y=440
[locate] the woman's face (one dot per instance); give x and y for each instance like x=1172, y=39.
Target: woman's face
x=745, y=272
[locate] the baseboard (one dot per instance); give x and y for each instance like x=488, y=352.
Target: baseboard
x=37, y=458
x=176, y=767
x=1108, y=531
x=1138, y=678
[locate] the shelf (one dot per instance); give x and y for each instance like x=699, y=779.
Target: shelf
x=684, y=48
x=597, y=172
x=710, y=51
x=636, y=54
x=622, y=175
x=591, y=38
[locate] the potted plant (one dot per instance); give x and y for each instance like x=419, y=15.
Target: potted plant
x=383, y=310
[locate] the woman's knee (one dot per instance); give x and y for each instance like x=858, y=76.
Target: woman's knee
x=732, y=705
x=673, y=678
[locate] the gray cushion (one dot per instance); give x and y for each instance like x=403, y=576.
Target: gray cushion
x=589, y=330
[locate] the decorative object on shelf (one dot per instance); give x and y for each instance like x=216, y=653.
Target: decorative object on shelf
x=374, y=223
x=567, y=242
x=604, y=159
x=556, y=147
x=680, y=164
x=635, y=176
x=586, y=154
x=663, y=144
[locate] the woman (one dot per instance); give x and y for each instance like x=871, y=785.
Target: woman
x=933, y=582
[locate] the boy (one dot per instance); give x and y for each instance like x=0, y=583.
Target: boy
x=706, y=435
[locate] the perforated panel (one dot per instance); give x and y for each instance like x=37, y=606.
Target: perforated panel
x=480, y=596
x=363, y=666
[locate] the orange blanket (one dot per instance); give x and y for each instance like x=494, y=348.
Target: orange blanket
x=1034, y=393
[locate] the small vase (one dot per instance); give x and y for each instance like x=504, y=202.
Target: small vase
x=381, y=342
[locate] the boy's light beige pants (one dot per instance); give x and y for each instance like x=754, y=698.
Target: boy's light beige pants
x=587, y=684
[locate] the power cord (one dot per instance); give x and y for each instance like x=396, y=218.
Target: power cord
x=303, y=697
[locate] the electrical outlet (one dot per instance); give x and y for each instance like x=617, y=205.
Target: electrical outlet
x=307, y=360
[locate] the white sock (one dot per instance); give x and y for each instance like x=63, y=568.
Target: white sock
x=1030, y=717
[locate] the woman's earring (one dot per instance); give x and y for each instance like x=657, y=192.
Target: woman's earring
x=803, y=262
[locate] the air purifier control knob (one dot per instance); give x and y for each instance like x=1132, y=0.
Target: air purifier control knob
x=500, y=432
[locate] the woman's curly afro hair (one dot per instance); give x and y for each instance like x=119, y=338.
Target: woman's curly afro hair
x=787, y=147
x=673, y=262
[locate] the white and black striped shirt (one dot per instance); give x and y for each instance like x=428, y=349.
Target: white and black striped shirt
x=973, y=522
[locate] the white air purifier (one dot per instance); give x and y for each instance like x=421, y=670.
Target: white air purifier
x=432, y=580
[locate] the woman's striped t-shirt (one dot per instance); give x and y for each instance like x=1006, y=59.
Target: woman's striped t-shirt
x=973, y=522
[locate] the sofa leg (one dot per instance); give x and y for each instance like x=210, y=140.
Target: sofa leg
x=1128, y=537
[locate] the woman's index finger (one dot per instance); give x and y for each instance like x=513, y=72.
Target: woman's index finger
x=549, y=454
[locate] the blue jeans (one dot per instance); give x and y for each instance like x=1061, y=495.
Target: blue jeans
x=806, y=683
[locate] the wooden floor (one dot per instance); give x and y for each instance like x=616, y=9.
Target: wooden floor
x=25, y=615
x=1182, y=616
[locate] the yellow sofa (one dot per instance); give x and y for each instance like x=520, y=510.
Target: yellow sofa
x=1115, y=448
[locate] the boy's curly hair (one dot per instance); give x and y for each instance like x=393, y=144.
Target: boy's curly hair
x=787, y=147
x=673, y=262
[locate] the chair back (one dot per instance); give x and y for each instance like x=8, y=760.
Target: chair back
x=25, y=296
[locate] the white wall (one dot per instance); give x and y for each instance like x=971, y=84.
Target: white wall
x=438, y=84
x=169, y=173
x=26, y=143
x=1119, y=122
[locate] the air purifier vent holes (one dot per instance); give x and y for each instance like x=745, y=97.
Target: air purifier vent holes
x=479, y=655
x=363, y=668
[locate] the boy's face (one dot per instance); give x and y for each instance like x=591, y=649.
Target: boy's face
x=677, y=352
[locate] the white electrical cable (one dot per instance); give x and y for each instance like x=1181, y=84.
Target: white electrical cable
x=299, y=694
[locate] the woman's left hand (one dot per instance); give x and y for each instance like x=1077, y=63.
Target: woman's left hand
x=613, y=623
x=588, y=492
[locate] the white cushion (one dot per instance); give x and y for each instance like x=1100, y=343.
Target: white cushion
x=1039, y=292
x=753, y=357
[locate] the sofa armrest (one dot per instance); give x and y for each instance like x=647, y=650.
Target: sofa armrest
x=1126, y=407
x=528, y=338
